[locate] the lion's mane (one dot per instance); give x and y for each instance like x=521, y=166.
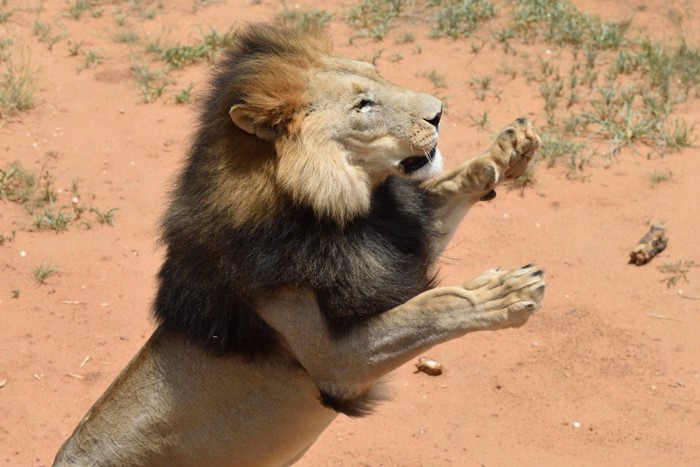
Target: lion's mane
x=233, y=232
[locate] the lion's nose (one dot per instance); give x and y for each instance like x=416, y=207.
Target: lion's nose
x=435, y=121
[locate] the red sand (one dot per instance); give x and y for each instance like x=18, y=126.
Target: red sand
x=606, y=374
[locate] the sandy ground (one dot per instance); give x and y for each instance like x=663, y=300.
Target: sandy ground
x=606, y=374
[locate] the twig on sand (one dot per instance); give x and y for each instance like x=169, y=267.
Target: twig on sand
x=670, y=318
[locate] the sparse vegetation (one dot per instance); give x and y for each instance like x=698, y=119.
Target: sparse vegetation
x=74, y=48
x=92, y=58
x=480, y=121
x=459, y=18
x=5, y=238
x=18, y=83
x=43, y=32
x=482, y=86
x=146, y=9
x=78, y=8
x=4, y=13
x=5, y=43
x=151, y=82
x=106, y=217
x=660, y=175
x=676, y=271
x=43, y=272
x=436, y=78
x=620, y=92
x=183, y=97
x=374, y=18
x=126, y=37
x=52, y=219
x=16, y=184
x=40, y=199
x=406, y=37
x=178, y=55
x=303, y=19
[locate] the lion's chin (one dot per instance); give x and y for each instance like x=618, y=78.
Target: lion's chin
x=422, y=167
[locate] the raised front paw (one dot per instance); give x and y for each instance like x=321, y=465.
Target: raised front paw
x=507, y=159
x=504, y=299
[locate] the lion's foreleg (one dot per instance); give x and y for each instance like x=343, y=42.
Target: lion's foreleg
x=457, y=190
x=345, y=368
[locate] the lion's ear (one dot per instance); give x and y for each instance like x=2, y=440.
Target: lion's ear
x=247, y=120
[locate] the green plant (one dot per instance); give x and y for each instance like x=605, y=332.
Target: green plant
x=105, y=217
x=183, y=97
x=303, y=19
x=5, y=43
x=16, y=184
x=676, y=271
x=480, y=121
x=437, y=79
x=51, y=219
x=146, y=9
x=459, y=18
x=92, y=58
x=43, y=32
x=555, y=147
x=551, y=92
x=4, y=14
x=395, y=57
x=406, y=38
x=18, y=83
x=179, y=55
x=677, y=135
x=4, y=238
x=659, y=176
x=120, y=19
x=151, y=82
x=74, y=48
x=78, y=8
x=126, y=37
x=43, y=272
x=375, y=18
x=481, y=84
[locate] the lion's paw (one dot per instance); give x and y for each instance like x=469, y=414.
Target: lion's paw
x=507, y=159
x=505, y=299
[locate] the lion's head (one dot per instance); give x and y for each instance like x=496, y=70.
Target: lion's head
x=320, y=130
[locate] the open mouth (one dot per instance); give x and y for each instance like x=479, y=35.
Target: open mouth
x=414, y=163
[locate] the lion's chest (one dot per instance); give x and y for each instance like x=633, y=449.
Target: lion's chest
x=364, y=268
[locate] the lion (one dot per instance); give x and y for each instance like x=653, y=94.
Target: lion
x=301, y=245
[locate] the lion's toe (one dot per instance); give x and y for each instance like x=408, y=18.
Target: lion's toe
x=508, y=298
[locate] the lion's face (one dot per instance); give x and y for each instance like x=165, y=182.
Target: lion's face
x=378, y=127
x=338, y=129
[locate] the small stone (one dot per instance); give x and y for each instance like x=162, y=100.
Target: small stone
x=429, y=366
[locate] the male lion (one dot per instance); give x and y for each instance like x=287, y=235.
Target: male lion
x=301, y=243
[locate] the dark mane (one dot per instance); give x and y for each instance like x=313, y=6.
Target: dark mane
x=219, y=257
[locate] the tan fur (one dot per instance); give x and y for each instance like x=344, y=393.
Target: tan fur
x=176, y=404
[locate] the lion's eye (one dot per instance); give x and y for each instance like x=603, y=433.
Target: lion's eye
x=364, y=105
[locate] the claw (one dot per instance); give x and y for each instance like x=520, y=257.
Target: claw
x=488, y=196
